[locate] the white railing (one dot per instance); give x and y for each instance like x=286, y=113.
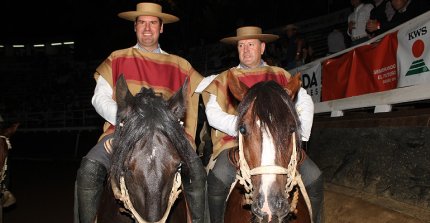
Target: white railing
x=381, y=101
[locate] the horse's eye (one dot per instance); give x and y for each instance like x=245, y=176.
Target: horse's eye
x=242, y=130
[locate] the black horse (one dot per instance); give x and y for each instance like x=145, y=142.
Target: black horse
x=151, y=154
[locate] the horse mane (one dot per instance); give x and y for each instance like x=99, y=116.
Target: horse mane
x=147, y=114
x=275, y=109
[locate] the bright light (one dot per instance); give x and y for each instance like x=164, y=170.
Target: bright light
x=18, y=46
x=56, y=44
x=1, y=46
x=39, y=45
x=69, y=43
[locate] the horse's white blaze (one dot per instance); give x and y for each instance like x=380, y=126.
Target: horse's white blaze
x=267, y=158
x=152, y=155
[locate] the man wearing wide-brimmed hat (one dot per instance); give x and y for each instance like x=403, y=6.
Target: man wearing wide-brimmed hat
x=143, y=65
x=222, y=116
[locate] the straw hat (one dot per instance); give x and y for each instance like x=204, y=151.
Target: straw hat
x=150, y=9
x=250, y=32
x=291, y=26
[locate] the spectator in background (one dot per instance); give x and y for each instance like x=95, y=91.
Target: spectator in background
x=382, y=12
x=299, y=52
x=335, y=41
x=357, y=22
x=404, y=11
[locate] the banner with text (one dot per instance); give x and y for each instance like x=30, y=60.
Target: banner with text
x=413, y=53
x=311, y=80
x=366, y=69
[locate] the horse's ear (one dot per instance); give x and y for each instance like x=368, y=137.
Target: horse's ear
x=11, y=130
x=293, y=85
x=236, y=87
x=123, y=95
x=177, y=103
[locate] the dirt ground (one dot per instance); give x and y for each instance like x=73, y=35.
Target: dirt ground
x=44, y=192
x=347, y=206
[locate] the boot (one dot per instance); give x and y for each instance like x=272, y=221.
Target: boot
x=316, y=195
x=217, y=196
x=90, y=181
x=313, y=180
x=220, y=179
x=195, y=189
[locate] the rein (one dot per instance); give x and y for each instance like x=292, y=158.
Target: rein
x=121, y=193
x=293, y=176
x=9, y=146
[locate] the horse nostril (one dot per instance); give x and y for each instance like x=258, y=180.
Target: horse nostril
x=279, y=204
x=256, y=209
x=283, y=209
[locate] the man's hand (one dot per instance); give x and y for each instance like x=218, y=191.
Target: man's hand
x=372, y=25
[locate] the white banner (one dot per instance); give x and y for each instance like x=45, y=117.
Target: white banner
x=413, y=52
x=311, y=79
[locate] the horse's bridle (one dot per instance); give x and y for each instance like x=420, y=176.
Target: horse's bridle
x=294, y=177
x=122, y=194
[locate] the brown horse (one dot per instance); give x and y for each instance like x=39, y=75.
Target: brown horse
x=5, y=145
x=269, y=187
x=151, y=154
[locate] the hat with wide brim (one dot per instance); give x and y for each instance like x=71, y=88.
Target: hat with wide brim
x=250, y=32
x=148, y=9
x=291, y=26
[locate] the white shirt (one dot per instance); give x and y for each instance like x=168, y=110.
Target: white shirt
x=224, y=122
x=360, y=16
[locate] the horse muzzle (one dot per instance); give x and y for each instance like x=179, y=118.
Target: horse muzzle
x=275, y=210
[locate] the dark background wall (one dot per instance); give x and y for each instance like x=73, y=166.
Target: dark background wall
x=387, y=155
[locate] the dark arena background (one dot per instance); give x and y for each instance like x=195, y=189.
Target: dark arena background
x=376, y=165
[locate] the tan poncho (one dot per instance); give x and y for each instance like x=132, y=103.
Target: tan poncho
x=228, y=104
x=165, y=73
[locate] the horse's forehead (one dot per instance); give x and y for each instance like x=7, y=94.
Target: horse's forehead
x=158, y=148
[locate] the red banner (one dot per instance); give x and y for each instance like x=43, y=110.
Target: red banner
x=366, y=69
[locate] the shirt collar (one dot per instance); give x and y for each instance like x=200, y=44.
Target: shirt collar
x=243, y=66
x=157, y=50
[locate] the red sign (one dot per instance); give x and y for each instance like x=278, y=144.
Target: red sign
x=366, y=69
